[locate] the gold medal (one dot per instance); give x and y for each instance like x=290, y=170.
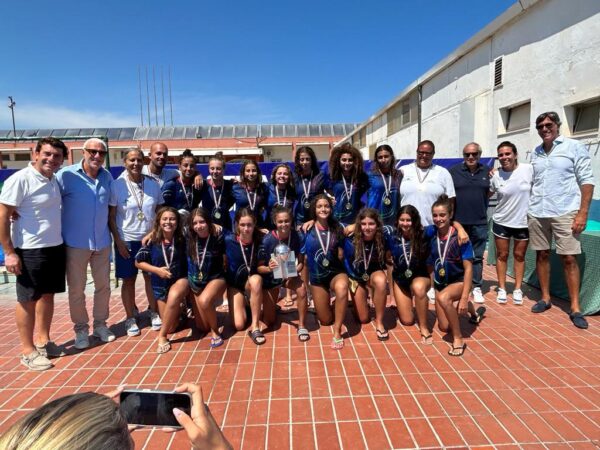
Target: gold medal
x=365, y=277
x=141, y=217
x=442, y=272
x=201, y=276
x=387, y=201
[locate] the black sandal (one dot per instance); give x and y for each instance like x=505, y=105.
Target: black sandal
x=382, y=335
x=476, y=318
x=457, y=351
x=257, y=337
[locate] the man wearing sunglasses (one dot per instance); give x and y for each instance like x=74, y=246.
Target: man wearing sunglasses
x=85, y=189
x=561, y=194
x=472, y=185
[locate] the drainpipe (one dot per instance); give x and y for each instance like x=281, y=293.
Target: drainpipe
x=420, y=97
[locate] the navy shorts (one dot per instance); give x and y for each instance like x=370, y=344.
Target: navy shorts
x=502, y=232
x=125, y=268
x=238, y=282
x=42, y=272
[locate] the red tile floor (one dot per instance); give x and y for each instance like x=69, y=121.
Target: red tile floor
x=525, y=381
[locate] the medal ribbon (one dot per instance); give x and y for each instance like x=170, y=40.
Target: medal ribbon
x=418, y=170
x=443, y=256
x=251, y=203
x=198, y=261
x=325, y=249
x=367, y=262
x=409, y=258
x=348, y=193
x=168, y=261
x=304, y=188
x=139, y=201
x=244, y=256
x=387, y=188
x=188, y=197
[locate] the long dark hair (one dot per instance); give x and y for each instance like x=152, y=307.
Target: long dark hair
x=259, y=178
x=332, y=223
x=335, y=168
x=314, y=164
x=157, y=233
x=358, y=241
x=290, y=184
x=192, y=241
x=247, y=212
x=417, y=242
x=278, y=209
x=375, y=166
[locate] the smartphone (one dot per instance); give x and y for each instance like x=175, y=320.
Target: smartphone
x=153, y=408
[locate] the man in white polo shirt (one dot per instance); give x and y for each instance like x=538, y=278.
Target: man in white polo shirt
x=33, y=248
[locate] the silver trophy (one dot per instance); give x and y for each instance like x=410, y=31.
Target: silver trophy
x=286, y=262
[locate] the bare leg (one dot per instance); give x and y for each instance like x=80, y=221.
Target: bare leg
x=269, y=310
x=571, y=269
x=339, y=284
x=419, y=288
x=254, y=288
x=237, y=308
x=361, y=305
x=44, y=310
x=519, y=250
x=149, y=293
x=542, y=267
x=296, y=284
x=205, y=302
x=128, y=295
x=172, y=309
x=378, y=283
x=446, y=299
x=502, y=249
x=322, y=304
x=25, y=317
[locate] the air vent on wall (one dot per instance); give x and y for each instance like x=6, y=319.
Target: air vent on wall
x=498, y=72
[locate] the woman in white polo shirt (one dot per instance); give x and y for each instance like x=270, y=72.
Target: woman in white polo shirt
x=134, y=199
x=512, y=184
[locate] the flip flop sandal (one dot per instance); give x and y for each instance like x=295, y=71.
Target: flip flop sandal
x=257, y=337
x=427, y=339
x=163, y=348
x=288, y=302
x=382, y=335
x=337, y=344
x=303, y=335
x=216, y=342
x=457, y=351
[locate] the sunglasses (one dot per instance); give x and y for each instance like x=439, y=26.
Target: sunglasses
x=474, y=155
x=426, y=154
x=544, y=125
x=96, y=152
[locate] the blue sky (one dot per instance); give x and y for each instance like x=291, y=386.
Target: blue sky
x=75, y=63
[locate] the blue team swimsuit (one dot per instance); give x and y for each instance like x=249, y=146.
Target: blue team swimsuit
x=388, y=204
x=266, y=249
x=236, y=272
x=346, y=209
x=416, y=268
x=319, y=272
x=241, y=195
x=286, y=198
x=153, y=255
x=355, y=266
x=210, y=266
x=224, y=196
x=451, y=270
x=312, y=185
x=180, y=197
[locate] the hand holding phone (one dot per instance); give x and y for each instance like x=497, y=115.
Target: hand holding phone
x=147, y=407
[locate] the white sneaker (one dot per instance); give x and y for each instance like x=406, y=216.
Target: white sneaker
x=478, y=295
x=132, y=327
x=431, y=296
x=82, y=340
x=517, y=296
x=155, y=320
x=104, y=334
x=501, y=296
x=35, y=361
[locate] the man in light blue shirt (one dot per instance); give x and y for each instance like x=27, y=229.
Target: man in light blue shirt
x=85, y=189
x=563, y=185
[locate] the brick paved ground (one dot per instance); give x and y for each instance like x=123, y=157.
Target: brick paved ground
x=525, y=381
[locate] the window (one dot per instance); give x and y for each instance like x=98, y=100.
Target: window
x=359, y=139
x=22, y=156
x=403, y=113
x=516, y=117
x=587, y=117
x=498, y=72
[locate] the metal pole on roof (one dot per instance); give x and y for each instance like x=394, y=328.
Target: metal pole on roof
x=140, y=92
x=11, y=105
x=162, y=82
x=148, y=99
x=155, y=107
x=170, y=98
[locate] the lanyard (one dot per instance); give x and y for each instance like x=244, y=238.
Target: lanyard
x=251, y=203
x=348, y=192
x=443, y=256
x=276, y=234
x=304, y=188
x=214, y=194
x=409, y=257
x=418, y=170
x=284, y=197
x=325, y=249
x=388, y=188
x=201, y=262
x=244, y=255
x=168, y=261
x=188, y=196
x=138, y=200
x=367, y=262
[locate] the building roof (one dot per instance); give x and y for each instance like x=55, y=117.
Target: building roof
x=193, y=132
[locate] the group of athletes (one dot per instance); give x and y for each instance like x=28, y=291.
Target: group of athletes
x=343, y=250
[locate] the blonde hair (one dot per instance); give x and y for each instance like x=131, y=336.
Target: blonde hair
x=75, y=422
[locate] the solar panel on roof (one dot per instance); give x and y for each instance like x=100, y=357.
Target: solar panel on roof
x=86, y=132
x=302, y=130
x=326, y=129
x=126, y=134
x=239, y=131
x=153, y=132
x=289, y=130
x=227, y=131
x=12, y=135
x=203, y=132
x=166, y=133
x=191, y=132
x=338, y=129
x=349, y=128
x=265, y=131
x=215, y=132
x=72, y=132
x=100, y=131
x=178, y=132
x=44, y=133
x=140, y=133
x=113, y=133
x=252, y=131
x=30, y=133
x=277, y=130
x=59, y=132
x=313, y=130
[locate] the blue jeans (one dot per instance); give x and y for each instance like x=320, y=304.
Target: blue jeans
x=478, y=235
